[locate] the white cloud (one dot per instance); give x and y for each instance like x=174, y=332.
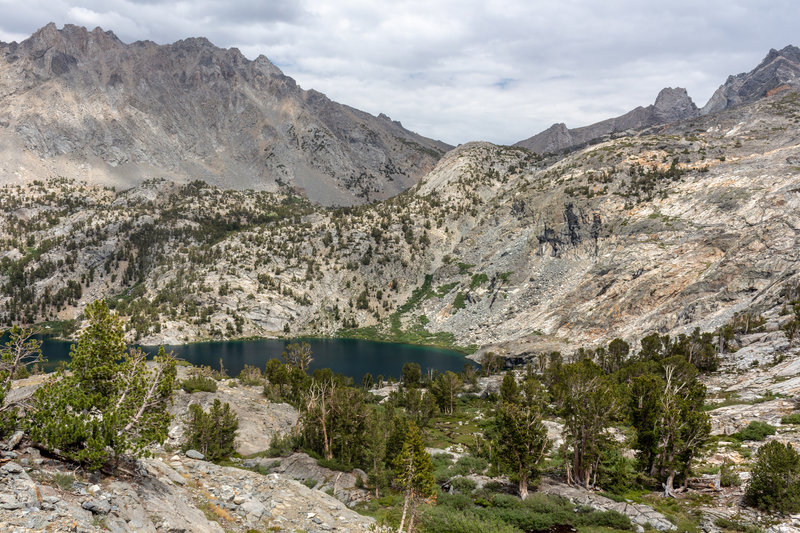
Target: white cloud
x=459, y=70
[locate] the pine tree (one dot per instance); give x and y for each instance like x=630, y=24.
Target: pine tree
x=445, y=389
x=775, y=479
x=588, y=401
x=521, y=442
x=414, y=474
x=298, y=355
x=509, y=391
x=111, y=403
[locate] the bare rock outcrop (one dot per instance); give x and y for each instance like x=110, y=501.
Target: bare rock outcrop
x=164, y=494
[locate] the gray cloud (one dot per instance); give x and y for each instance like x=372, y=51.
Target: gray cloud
x=462, y=70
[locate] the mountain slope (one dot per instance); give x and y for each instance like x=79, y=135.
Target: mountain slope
x=85, y=105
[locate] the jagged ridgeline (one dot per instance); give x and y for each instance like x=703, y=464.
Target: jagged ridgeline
x=83, y=104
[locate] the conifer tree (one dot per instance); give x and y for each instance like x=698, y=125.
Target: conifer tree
x=521, y=440
x=588, y=401
x=775, y=479
x=445, y=389
x=111, y=403
x=414, y=474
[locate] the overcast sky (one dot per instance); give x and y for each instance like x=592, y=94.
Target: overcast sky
x=461, y=70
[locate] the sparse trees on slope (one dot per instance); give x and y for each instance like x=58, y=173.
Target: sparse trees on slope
x=112, y=403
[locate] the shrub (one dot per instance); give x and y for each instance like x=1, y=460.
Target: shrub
x=310, y=483
x=793, y=418
x=733, y=525
x=458, y=302
x=755, y=430
x=775, y=479
x=442, y=518
x=728, y=476
x=333, y=464
x=251, y=376
x=63, y=481
x=198, y=382
x=211, y=433
x=463, y=485
x=610, y=519
x=468, y=464
x=282, y=446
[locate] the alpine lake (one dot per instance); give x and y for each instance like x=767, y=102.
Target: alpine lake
x=350, y=357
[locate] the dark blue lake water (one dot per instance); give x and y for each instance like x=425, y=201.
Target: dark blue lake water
x=350, y=357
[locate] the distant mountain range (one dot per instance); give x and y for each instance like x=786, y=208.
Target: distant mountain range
x=86, y=105
x=779, y=71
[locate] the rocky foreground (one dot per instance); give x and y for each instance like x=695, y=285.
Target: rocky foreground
x=174, y=493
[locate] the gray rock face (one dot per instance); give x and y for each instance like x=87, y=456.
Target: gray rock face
x=301, y=467
x=14, y=440
x=233, y=499
x=194, y=454
x=671, y=105
x=97, y=506
x=190, y=110
x=779, y=71
x=639, y=514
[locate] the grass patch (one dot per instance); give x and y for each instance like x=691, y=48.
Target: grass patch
x=63, y=481
x=423, y=292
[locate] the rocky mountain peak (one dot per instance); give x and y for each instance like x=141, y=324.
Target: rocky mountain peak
x=190, y=110
x=779, y=71
x=673, y=104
